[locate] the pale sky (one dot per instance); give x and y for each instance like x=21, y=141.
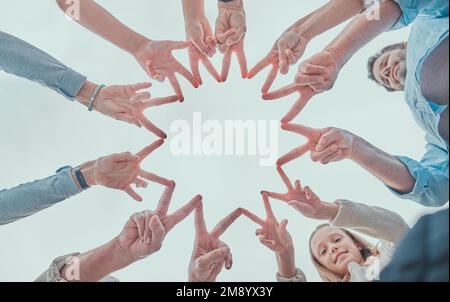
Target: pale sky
x=41, y=131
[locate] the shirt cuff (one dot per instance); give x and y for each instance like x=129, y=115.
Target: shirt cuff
x=299, y=277
x=71, y=84
x=344, y=214
x=409, y=14
x=68, y=184
x=416, y=171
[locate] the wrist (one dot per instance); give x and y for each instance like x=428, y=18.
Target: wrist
x=85, y=93
x=286, y=263
x=193, y=9
x=140, y=46
x=331, y=210
x=358, y=147
x=339, y=57
x=236, y=4
x=88, y=171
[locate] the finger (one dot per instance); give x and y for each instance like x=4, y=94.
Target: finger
x=164, y=201
x=142, y=96
x=283, y=225
x=147, y=238
x=226, y=64
x=179, y=44
x=260, y=232
x=308, y=193
x=140, y=183
x=307, y=132
x=267, y=207
x=229, y=261
x=129, y=118
x=319, y=156
x=259, y=67
x=304, y=79
x=186, y=74
x=306, y=93
x=294, y=154
x=285, y=178
x=202, y=47
x=268, y=243
x=129, y=190
x=298, y=185
x=302, y=207
x=149, y=149
x=176, y=86
x=126, y=156
x=200, y=225
x=155, y=178
x=211, y=69
x=329, y=138
x=280, y=93
x=153, y=73
x=161, y=101
x=139, y=220
x=253, y=217
x=140, y=86
x=217, y=255
x=277, y=196
x=184, y=212
x=292, y=59
x=225, y=223
x=157, y=232
x=151, y=127
x=282, y=58
x=242, y=60
x=308, y=68
x=223, y=37
x=194, y=63
x=269, y=80
x=212, y=44
x=236, y=37
x=334, y=157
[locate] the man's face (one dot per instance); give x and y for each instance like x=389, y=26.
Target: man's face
x=390, y=69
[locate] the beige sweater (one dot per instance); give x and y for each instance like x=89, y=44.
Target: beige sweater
x=376, y=222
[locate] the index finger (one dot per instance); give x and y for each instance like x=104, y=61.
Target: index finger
x=259, y=67
x=225, y=223
x=282, y=92
x=302, y=130
x=164, y=202
x=253, y=217
x=183, y=212
x=199, y=220
x=267, y=206
x=149, y=149
x=285, y=178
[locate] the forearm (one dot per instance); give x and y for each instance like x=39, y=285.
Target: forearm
x=387, y=168
x=30, y=198
x=96, y=264
x=98, y=20
x=362, y=30
x=193, y=9
x=286, y=263
x=22, y=59
x=328, y=16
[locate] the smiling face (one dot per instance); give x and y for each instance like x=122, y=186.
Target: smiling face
x=389, y=69
x=334, y=249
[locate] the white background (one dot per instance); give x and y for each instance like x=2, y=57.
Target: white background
x=41, y=131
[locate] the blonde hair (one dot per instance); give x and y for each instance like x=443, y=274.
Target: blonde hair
x=326, y=274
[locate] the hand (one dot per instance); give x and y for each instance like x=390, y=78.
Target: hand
x=231, y=28
x=320, y=72
x=304, y=200
x=199, y=32
x=127, y=104
x=120, y=171
x=157, y=60
x=326, y=145
x=144, y=232
x=305, y=91
x=210, y=254
x=288, y=49
x=272, y=234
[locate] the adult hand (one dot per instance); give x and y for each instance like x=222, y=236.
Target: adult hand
x=326, y=145
x=320, y=71
x=157, y=60
x=144, y=232
x=305, y=91
x=210, y=254
x=304, y=200
x=288, y=49
x=199, y=32
x=120, y=171
x=231, y=28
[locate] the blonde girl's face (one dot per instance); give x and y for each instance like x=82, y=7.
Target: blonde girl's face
x=334, y=250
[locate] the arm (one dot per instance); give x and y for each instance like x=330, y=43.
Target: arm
x=28, y=199
x=424, y=181
x=373, y=221
x=24, y=60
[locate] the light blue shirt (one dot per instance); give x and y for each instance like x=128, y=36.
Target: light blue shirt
x=19, y=58
x=28, y=199
x=429, y=29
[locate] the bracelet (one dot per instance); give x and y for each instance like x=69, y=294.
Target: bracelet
x=80, y=178
x=94, y=95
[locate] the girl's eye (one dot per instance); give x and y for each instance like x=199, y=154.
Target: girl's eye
x=322, y=252
x=338, y=239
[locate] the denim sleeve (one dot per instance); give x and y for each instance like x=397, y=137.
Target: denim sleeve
x=19, y=58
x=28, y=199
x=411, y=9
x=431, y=174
